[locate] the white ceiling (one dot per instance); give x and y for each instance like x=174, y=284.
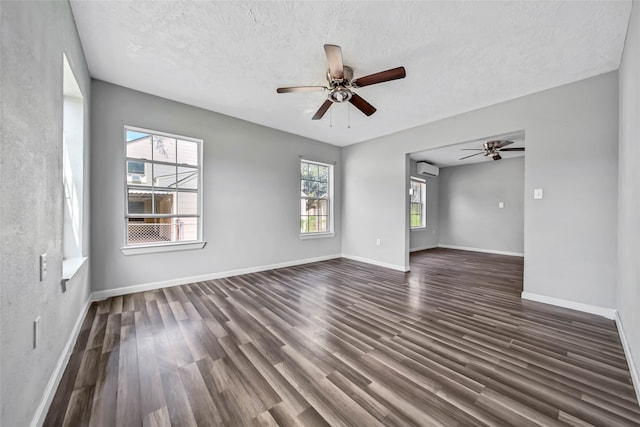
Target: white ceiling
x=230, y=57
x=451, y=154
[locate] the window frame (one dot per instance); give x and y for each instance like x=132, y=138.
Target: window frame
x=74, y=201
x=153, y=247
x=330, y=201
x=423, y=202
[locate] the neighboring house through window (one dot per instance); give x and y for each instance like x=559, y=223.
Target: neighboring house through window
x=417, y=194
x=163, y=188
x=316, y=198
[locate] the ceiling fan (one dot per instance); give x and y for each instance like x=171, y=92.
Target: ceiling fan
x=492, y=149
x=341, y=83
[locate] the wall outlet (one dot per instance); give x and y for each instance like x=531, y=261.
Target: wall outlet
x=36, y=331
x=378, y=241
x=501, y=205
x=43, y=267
x=537, y=193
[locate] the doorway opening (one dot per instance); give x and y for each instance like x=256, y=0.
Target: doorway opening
x=468, y=196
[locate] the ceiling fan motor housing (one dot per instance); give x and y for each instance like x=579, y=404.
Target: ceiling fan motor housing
x=347, y=76
x=339, y=88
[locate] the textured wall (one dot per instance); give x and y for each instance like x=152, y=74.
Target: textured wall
x=428, y=237
x=251, y=191
x=570, y=235
x=469, y=212
x=34, y=36
x=628, y=297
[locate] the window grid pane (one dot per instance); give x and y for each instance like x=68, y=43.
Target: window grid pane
x=417, y=207
x=161, y=230
x=314, y=197
x=168, y=215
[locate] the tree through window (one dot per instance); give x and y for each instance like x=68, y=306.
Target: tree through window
x=417, y=194
x=315, y=197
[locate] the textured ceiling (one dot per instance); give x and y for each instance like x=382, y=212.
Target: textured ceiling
x=451, y=154
x=230, y=57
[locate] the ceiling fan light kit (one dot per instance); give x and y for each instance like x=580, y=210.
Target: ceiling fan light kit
x=339, y=95
x=341, y=83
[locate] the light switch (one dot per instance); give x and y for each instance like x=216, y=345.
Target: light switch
x=501, y=205
x=537, y=193
x=36, y=331
x=43, y=267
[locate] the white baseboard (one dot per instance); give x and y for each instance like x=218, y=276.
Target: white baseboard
x=61, y=365
x=100, y=295
x=63, y=360
x=633, y=370
x=487, y=251
x=606, y=312
x=422, y=248
x=378, y=263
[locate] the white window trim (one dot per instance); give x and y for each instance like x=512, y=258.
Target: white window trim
x=168, y=246
x=164, y=247
x=73, y=251
x=320, y=234
x=424, y=205
x=70, y=266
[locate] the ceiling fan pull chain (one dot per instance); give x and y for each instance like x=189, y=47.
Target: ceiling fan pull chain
x=348, y=117
x=330, y=118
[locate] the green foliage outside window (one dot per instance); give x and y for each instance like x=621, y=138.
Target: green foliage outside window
x=314, y=194
x=417, y=193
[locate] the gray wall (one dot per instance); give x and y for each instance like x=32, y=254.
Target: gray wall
x=251, y=191
x=469, y=212
x=427, y=237
x=570, y=235
x=628, y=298
x=34, y=36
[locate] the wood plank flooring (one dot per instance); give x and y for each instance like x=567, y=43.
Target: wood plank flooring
x=345, y=343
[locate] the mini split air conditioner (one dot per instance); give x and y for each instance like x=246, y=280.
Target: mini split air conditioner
x=428, y=169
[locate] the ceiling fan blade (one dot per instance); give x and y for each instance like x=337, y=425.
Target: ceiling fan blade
x=512, y=149
x=300, y=89
x=382, y=76
x=472, y=149
x=334, y=58
x=466, y=157
x=503, y=143
x=362, y=105
x=323, y=109
x=496, y=156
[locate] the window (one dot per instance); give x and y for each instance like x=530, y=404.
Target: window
x=316, y=192
x=135, y=168
x=72, y=173
x=163, y=203
x=417, y=194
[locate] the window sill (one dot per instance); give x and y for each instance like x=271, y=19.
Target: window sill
x=151, y=249
x=70, y=267
x=418, y=228
x=316, y=236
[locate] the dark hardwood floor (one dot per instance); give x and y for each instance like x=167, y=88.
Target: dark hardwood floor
x=345, y=343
